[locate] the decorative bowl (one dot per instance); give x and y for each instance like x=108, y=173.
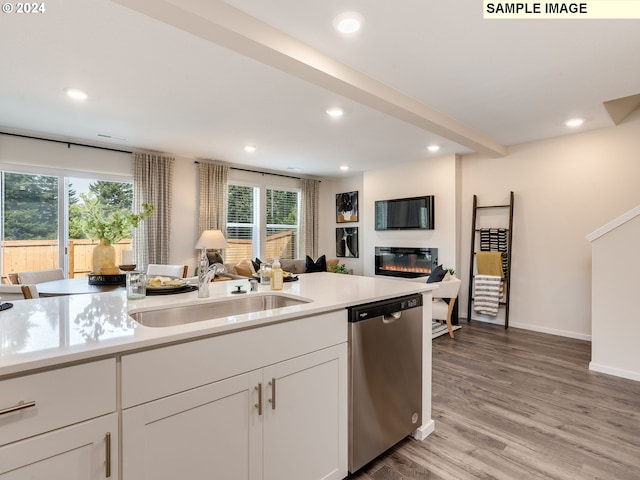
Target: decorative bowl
x=127, y=268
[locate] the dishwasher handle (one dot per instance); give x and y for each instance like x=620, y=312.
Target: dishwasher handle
x=391, y=317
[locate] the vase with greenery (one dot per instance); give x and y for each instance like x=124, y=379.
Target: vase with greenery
x=108, y=226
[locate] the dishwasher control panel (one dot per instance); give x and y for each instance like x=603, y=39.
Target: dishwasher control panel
x=384, y=307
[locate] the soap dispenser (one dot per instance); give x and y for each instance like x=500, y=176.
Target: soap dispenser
x=276, y=275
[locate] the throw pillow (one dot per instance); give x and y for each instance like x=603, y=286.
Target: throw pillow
x=437, y=274
x=256, y=264
x=320, y=265
x=288, y=265
x=245, y=268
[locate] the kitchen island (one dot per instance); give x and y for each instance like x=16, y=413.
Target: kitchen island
x=113, y=396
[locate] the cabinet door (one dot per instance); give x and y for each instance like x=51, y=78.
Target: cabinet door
x=86, y=451
x=305, y=435
x=213, y=431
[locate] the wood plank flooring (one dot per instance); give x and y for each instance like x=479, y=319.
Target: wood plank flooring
x=520, y=405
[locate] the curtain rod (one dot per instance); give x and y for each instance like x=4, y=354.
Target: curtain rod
x=262, y=173
x=68, y=144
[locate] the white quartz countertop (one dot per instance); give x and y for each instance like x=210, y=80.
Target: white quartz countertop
x=46, y=332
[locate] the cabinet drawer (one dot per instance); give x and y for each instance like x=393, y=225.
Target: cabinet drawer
x=60, y=397
x=164, y=371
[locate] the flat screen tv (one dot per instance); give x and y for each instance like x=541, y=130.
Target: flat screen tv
x=416, y=213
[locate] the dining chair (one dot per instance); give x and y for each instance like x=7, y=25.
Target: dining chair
x=29, y=291
x=444, y=298
x=155, y=269
x=8, y=293
x=37, y=276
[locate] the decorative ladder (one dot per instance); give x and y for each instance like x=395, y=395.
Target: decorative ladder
x=507, y=273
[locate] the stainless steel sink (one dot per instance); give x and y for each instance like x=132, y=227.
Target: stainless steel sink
x=167, y=317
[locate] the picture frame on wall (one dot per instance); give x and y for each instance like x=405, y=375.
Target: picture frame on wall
x=347, y=242
x=347, y=207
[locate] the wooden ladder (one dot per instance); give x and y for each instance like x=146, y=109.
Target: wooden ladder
x=507, y=273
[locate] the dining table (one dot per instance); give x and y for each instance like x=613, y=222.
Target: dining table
x=73, y=286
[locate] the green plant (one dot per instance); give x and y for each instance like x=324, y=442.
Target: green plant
x=452, y=271
x=341, y=268
x=110, y=226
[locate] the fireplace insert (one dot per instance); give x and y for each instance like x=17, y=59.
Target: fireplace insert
x=407, y=262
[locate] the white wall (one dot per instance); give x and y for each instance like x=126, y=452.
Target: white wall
x=71, y=159
x=184, y=214
x=433, y=176
x=329, y=188
x=615, y=281
x=564, y=189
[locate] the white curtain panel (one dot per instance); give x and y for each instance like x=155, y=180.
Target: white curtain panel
x=152, y=183
x=310, y=190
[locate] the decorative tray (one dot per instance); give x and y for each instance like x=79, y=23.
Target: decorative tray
x=170, y=291
x=118, y=279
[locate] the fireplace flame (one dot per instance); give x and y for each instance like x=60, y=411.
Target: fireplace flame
x=404, y=268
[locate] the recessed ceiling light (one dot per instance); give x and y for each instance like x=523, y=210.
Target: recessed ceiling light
x=335, y=112
x=75, y=94
x=433, y=148
x=250, y=148
x=348, y=22
x=344, y=168
x=574, y=122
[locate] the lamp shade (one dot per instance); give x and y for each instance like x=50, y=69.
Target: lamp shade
x=211, y=239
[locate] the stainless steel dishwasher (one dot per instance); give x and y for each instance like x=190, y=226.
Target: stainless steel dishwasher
x=385, y=375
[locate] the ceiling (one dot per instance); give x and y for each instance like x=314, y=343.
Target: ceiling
x=203, y=79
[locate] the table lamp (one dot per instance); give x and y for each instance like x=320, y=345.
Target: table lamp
x=210, y=240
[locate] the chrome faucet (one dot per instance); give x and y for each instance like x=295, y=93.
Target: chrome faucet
x=204, y=279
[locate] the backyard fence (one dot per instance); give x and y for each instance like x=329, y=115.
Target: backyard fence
x=29, y=255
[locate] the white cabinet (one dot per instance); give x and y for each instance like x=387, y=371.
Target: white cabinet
x=209, y=432
x=60, y=424
x=284, y=420
x=305, y=434
x=86, y=451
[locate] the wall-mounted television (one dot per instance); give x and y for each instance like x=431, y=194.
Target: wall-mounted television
x=415, y=213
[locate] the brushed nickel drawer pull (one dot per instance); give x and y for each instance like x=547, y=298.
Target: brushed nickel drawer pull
x=272, y=400
x=259, y=404
x=19, y=406
x=107, y=443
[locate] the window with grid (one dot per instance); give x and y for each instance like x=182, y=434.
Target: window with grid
x=242, y=222
x=282, y=223
x=278, y=212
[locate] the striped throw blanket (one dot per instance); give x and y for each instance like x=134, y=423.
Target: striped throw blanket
x=486, y=294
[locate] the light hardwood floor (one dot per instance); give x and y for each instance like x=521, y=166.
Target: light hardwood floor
x=519, y=405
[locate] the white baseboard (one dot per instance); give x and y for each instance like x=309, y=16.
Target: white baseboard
x=535, y=328
x=617, y=372
x=424, y=430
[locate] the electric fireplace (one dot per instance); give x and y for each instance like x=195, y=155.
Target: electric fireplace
x=407, y=262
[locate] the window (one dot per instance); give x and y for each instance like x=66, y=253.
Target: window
x=40, y=226
x=262, y=222
x=114, y=196
x=282, y=224
x=242, y=225
x=30, y=226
